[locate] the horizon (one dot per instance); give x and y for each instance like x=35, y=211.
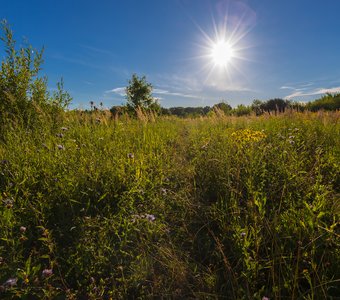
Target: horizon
x=193, y=53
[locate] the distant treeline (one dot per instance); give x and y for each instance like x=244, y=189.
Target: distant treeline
x=328, y=102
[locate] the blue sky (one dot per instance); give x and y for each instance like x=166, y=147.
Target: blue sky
x=287, y=49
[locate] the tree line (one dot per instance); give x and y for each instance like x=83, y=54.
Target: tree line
x=139, y=95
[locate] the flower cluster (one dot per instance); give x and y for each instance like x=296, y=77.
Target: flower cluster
x=248, y=136
x=148, y=217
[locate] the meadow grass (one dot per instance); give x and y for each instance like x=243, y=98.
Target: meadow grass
x=216, y=207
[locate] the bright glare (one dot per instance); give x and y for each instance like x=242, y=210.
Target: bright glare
x=222, y=53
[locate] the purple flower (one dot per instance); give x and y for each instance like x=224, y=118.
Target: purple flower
x=130, y=155
x=60, y=135
x=150, y=218
x=11, y=282
x=47, y=272
x=61, y=147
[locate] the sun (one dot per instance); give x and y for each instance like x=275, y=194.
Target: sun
x=222, y=53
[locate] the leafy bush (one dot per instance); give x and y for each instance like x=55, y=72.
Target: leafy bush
x=328, y=102
x=25, y=100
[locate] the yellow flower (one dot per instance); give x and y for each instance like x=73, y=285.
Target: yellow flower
x=248, y=135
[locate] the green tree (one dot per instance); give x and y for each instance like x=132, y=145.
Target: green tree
x=257, y=107
x=139, y=95
x=326, y=102
x=23, y=93
x=224, y=106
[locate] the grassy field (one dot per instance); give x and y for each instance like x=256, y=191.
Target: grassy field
x=208, y=208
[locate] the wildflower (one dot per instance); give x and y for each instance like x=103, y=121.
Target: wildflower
x=243, y=234
x=26, y=280
x=60, y=135
x=150, y=218
x=163, y=191
x=61, y=147
x=11, y=282
x=23, y=229
x=130, y=155
x=265, y=298
x=248, y=136
x=47, y=272
x=64, y=128
x=4, y=162
x=9, y=202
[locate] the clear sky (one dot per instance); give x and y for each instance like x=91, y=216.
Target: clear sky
x=194, y=52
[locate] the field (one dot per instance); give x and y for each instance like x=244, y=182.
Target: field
x=161, y=207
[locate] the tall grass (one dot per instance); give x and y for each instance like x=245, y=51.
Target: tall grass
x=218, y=207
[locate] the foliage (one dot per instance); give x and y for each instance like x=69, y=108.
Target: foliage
x=241, y=110
x=139, y=95
x=236, y=207
x=327, y=102
x=224, y=106
x=24, y=98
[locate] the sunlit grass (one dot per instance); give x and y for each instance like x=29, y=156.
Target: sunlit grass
x=241, y=208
